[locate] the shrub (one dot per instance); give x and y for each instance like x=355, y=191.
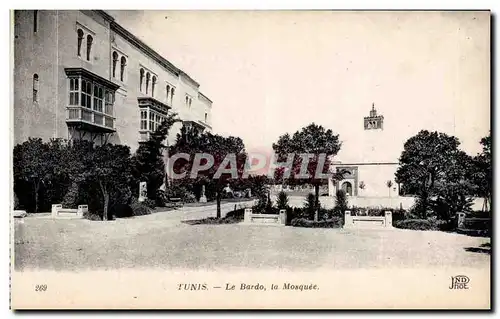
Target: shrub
x=341, y=201
x=282, y=201
x=121, y=211
x=150, y=203
x=93, y=216
x=335, y=222
x=140, y=209
x=423, y=224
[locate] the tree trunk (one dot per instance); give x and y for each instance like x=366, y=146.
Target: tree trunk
x=218, y=196
x=37, y=188
x=316, y=202
x=106, y=201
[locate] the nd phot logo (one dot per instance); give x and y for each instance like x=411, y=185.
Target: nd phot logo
x=459, y=282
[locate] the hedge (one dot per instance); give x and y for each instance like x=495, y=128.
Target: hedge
x=423, y=224
x=334, y=222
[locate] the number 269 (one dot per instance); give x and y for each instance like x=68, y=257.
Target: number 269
x=40, y=287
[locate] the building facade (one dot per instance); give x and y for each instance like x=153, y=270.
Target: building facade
x=80, y=75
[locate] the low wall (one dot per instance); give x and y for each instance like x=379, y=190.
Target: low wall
x=406, y=202
x=265, y=219
x=59, y=212
x=351, y=221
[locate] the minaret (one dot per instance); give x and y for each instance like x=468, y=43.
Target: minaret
x=374, y=121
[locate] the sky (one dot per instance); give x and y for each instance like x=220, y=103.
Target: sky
x=273, y=72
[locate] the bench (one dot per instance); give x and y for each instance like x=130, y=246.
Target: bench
x=59, y=212
x=175, y=202
x=353, y=221
x=267, y=219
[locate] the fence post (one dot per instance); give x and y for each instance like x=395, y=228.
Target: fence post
x=388, y=218
x=348, y=219
x=248, y=215
x=55, y=209
x=460, y=220
x=283, y=216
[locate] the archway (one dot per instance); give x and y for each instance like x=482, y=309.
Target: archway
x=347, y=188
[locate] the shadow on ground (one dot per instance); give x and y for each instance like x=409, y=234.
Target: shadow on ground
x=484, y=249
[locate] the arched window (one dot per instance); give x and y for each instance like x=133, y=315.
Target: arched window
x=123, y=63
x=115, y=61
x=190, y=100
x=89, y=46
x=148, y=77
x=35, y=87
x=187, y=101
x=35, y=20
x=206, y=116
x=347, y=188
x=153, y=86
x=168, y=92
x=141, y=79
x=80, y=39
x=172, y=92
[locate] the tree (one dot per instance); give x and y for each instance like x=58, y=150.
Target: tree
x=221, y=148
x=109, y=168
x=37, y=163
x=282, y=201
x=389, y=185
x=319, y=143
x=432, y=167
x=149, y=160
x=482, y=177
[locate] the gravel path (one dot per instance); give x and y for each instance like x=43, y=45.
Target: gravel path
x=160, y=240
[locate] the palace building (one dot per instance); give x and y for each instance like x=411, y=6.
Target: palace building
x=81, y=75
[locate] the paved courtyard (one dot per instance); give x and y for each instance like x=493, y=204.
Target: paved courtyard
x=161, y=240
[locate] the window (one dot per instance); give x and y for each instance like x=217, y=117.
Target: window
x=74, y=91
x=35, y=21
x=141, y=79
x=86, y=95
x=168, y=91
x=115, y=61
x=98, y=98
x=89, y=46
x=80, y=39
x=190, y=101
x=153, y=86
x=151, y=120
x=35, y=88
x=109, y=100
x=172, y=91
x=144, y=119
x=187, y=101
x=148, y=77
x=122, y=68
x=206, y=116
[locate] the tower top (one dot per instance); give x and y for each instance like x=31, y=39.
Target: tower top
x=374, y=121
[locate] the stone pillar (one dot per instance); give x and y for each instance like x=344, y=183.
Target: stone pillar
x=460, y=220
x=248, y=215
x=388, y=218
x=348, y=222
x=283, y=216
x=81, y=210
x=55, y=210
x=203, y=198
x=143, y=191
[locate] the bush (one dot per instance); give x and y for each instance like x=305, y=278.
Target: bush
x=150, y=203
x=93, y=216
x=335, y=222
x=282, y=201
x=423, y=224
x=121, y=211
x=140, y=209
x=340, y=201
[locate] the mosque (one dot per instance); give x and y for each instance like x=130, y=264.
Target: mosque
x=369, y=160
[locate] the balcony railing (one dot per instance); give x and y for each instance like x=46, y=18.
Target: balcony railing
x=99, y=120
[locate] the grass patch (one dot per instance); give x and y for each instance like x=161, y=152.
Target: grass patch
x=233, y=217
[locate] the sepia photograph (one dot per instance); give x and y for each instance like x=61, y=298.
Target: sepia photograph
x=250, y=159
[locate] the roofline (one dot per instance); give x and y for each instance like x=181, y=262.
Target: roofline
x=205, y=97
x=115, y=26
